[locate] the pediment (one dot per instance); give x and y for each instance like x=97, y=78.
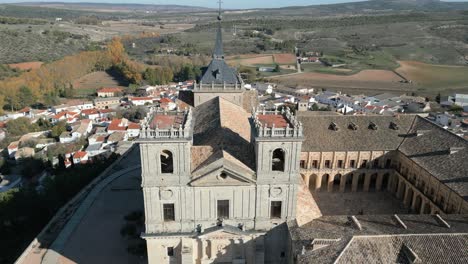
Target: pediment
x=222, y=232
x=220, y=175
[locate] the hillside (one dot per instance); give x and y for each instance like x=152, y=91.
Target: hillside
x=366, y=7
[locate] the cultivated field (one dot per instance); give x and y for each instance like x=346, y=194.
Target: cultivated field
x=89, y=83
x=366, y=81
x=25, y=66
x=251, y=60
x=435, y=78
x=284, y=58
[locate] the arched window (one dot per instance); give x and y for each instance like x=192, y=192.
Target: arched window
x=277, y=163
x=167, y=162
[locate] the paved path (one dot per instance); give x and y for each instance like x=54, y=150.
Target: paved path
x=97, y=222
x=93, y=227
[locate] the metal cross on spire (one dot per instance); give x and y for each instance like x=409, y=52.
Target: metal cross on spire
x=219, y=10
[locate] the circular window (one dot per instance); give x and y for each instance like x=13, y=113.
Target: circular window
x=223, y=175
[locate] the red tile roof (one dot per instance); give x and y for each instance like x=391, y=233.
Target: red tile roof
x=167, y=121
x=80, y=154
x=132, y=125
x=24, y=110
x=277, y=120
x=110, y=90
x=106, y=111
x=165, y=100
x=141, y=99
x=89, y=111
x=115, y=125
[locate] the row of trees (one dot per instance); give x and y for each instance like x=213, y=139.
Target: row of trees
x=48, y=82
x=53, y=80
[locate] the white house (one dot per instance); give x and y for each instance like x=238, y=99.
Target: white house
x=141, y=100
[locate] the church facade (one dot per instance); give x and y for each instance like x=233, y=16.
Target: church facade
x=219, y=182
x=216, y=181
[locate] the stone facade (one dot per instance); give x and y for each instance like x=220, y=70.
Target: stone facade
x=343, y=171
x=222, y=210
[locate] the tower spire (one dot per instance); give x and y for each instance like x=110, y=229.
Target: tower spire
x=218, y=51
x=219, y=10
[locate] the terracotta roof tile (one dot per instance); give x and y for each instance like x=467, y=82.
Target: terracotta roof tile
x=270, y=120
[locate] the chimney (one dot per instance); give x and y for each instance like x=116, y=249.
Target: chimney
x=454, y=150
x=356, y=222
x=422, y=132
x=441, y=221
x=399, y=221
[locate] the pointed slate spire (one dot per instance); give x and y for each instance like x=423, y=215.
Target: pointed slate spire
x=218, y=51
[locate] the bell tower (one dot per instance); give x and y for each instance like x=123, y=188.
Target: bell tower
x=278, y=142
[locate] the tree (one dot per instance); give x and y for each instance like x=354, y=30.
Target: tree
x=188, y=72
x=21, y=126
x=116, y=51
x=26, y=97
x=158, y=76
x=437, y=99
x=58, y=129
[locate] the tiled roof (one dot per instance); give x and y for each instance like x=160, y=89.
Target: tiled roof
x=223, y=125
x=443, y=154
x=132, y=125
x=422, y=232
x=141, y=99
x=443, y=248
x=165, y=100
x=219, y=72
x=279, y=121
x=89, y=111
x=333, y=133
x=110, y=90
x=80, y=154
x=167, y=121
x=117, y=125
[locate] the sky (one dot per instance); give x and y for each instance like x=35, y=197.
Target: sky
x=230, y=4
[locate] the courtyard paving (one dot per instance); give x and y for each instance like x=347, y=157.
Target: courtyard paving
x=355, y=203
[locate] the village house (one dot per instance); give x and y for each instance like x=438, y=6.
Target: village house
x=109, y=92
x=106, y=102
x=69, y=117
x=168, y=104
x=123, y=125
x=80, y=157
x=24, y=153
x=139, y=101
x=97, y=139
x=13, y=148
x=117, y=137
x=72, y=106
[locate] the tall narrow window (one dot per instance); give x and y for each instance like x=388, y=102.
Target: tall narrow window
x=388, y=163
x=275, y=211
x=376, y=164
x=352, y=163
x=327, y=164
x=364, y=163
x=339, y=164
x=315, y=164
x=223, y=209
x=170, y=251
x=166, y=162
x=303, y=164
x=278, y=160
x=169, y=212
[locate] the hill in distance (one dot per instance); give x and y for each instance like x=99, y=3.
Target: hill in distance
x=116, y=7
